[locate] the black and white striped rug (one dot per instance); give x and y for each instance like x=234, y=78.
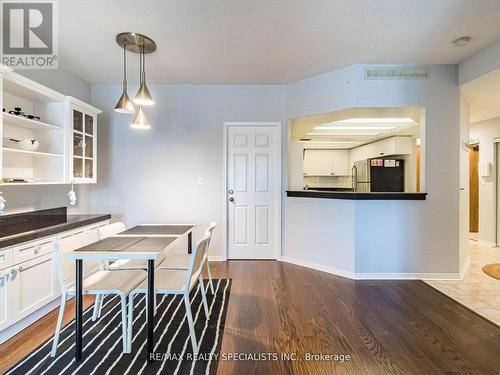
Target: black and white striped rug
x=102, y=339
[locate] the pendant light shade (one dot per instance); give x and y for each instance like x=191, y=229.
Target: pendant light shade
x=124, y=105
x=143, y=96
x=140, y=120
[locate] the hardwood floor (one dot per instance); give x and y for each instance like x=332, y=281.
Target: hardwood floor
x=386, y=327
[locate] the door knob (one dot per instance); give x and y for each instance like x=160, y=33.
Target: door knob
x=231, y=199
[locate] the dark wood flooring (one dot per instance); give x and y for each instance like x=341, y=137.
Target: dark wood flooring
x=386, y=327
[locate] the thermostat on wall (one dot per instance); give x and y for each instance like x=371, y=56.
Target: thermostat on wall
x=485, y=169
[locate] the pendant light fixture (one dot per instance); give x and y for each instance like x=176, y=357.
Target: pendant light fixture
x=140, y=120
x=124, y=104
x=143, y=96
x=142, y=45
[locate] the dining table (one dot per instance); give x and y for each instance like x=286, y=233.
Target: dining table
x=141, y=242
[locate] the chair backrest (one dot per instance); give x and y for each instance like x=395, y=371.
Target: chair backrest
x=65, y=244
x=111, y=229
x=210, y=229
x=196, y=261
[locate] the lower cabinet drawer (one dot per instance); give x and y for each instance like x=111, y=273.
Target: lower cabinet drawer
x=32, y=249
x=6, y=257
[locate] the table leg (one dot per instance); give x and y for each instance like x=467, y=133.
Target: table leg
x=190, y=242
x=78, y=311
x=150, y=300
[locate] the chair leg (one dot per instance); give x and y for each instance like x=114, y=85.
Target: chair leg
x=204, y=296
x=95, y=313
x=100, y=306
x=130, y=320
x=210, y=278
x=154, y=303
x=58, y=325
x=124, y=324
x=190, y=323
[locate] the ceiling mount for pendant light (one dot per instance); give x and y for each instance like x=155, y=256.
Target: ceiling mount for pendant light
x=143, y=96
x=124, y=105
x=141, y=44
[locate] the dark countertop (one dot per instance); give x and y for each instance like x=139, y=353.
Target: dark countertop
x=355, y=196
x=32, y=231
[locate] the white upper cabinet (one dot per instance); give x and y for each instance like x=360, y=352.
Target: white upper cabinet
x=326, y=162
x=386, y=147
x=83, y=148
x=38, y=134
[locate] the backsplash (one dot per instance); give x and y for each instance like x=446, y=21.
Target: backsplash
x=328, y=181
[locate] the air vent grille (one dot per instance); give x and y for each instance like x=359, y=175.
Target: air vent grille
x=395, y=72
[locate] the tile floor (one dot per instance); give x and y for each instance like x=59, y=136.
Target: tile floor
x=477, y=290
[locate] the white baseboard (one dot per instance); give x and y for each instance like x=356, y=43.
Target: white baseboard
x=372, y=276
x=319, y=267
x=216, y=258
x=408, y=276
x=464, y=267
x=486, y=243
x=17, y=327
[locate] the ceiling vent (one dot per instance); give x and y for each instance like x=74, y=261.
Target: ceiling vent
x=398, y=72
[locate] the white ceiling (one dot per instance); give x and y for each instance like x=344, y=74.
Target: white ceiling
x=271, y=41
x=371, y=124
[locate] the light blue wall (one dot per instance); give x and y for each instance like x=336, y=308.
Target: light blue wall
x=393, y=236
x=153, y=175
x=481, y=63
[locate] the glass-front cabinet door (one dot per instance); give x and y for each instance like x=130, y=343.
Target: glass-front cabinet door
x=83, y=164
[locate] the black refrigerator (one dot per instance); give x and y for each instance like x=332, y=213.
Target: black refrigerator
x=387, y=175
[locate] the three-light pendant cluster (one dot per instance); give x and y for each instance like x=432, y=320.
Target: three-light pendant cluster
x=142, y=45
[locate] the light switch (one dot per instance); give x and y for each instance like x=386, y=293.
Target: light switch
x=200, y=180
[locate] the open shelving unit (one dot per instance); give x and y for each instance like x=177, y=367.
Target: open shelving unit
x=66, y=133
x=46, y=164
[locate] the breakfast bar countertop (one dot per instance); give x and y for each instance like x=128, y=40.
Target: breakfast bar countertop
x=355, y=195
x=28, y=226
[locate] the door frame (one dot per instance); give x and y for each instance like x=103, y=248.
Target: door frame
x=278, y=230
x=496, y=149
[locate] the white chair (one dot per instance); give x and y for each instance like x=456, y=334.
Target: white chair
x=100, y=283
x=172, y=281
x=181, y=261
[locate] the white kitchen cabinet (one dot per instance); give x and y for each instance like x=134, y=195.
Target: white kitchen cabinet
x=326, y=162
x=6, y=285
x=83, y=148
x=386, y=147
x=69, y=242
x=34, y=286
x=63, y=124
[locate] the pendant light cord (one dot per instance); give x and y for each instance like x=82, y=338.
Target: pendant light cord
x=124, y=63
x=140, y=65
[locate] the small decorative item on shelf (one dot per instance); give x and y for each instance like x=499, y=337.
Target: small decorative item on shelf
x=18, y=112
x=72, y=196
x=26, y=144
x=16, y=179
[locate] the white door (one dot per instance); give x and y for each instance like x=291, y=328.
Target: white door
x=253, y=191
x=497, y=163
